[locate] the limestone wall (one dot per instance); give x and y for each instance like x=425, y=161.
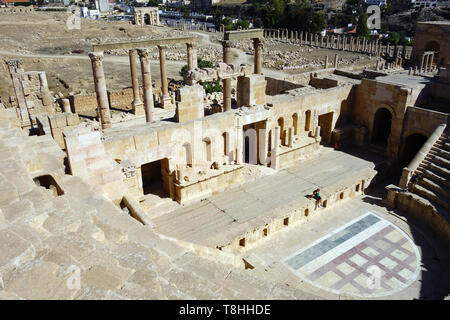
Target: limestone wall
x=370, y=96
x=432, y=36
x=87, y=104
x=276, y=86
x=60, y=122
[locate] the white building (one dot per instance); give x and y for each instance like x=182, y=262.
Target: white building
x=376, y=2
x=424, y=3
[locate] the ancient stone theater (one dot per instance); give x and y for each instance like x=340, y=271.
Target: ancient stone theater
x=329, y=185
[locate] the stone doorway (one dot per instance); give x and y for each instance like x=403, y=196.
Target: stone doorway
x=155, y=179
x=381, y=127
x=326, y=123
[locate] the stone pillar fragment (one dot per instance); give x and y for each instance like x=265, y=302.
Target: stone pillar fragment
x=258, y=47
x=137, y=105
x=226, y=82
x=100, y=89
x=144, y=56
x=165, y=98
x=191, y=56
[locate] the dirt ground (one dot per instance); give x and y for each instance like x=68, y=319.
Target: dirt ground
x=44, y=43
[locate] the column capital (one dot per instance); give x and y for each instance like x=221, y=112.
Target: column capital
x=162, y=47
x=190, y=45
x=258, y=41
x=96, y=56
x=143, y=53
x=226, y=43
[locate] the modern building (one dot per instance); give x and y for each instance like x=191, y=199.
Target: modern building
x=424, y=3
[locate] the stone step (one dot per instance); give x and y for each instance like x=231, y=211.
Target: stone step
x=436, y=188
x=440, y=152
x=442, y=162
x=446, y=146
x=435, y=178
x=426, y=165
x=431, y=196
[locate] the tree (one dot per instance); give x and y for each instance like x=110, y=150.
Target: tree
x=394, y=37
x=243, y=24
x=257, y=23
x=153, y=3
x=362, y=30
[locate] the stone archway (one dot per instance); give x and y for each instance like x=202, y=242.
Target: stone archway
x=381, y=129
x=147, y=19
x=434, y=46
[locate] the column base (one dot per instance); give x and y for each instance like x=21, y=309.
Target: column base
x=166, y=102
x=138, y=108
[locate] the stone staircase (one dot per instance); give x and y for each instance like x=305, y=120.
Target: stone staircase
x=435, y=172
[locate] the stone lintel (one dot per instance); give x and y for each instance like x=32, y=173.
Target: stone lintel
x=244, y=34
x=141, y=44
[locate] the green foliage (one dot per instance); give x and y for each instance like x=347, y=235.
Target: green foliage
x=152, y=3
x=243, y=24
x=294, y=15
x=200, y=63
x=211, y=87
x=361, y=28
x=257, y=23
x=204, y=63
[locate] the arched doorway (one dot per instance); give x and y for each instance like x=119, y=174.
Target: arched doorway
x=308, y=120
x=188, y=153
x=412, y=145
x=295, y=122
x=281, y=125
x=433, y=46
x=381, y=127
x=147, y=19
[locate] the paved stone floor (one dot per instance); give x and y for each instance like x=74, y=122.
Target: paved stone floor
x=235, y=211
x=367, y=257
x=358, y=250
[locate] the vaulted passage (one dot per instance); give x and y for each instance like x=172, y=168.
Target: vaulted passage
x=412, y=145
x=153, y=178
x=381, y=127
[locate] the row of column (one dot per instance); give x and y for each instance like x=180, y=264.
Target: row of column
x=258, y=62
x=138, y=107
x=338, y=42
x=426, y=62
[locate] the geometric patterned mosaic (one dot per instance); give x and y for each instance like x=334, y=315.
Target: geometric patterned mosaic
x=367, y=257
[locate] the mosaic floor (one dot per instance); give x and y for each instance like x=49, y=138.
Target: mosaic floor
x=367, y=257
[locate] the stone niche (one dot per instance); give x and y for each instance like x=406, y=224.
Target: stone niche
x=251, y=90
x=189, y=102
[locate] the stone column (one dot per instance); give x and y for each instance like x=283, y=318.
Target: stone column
x=431, y=60
x=226, y=82
x=326, y=62
x=100, y=89
x=191, y=56
x=274, y=158
x=426, y=63
x=137, y=104
x=301, y=37
x=47, y=99
x=336, y=57
x=165, y=98
x=421, y=63
x=291, y=137
x=144, y=56
x=258, y=46
x=66, y=105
